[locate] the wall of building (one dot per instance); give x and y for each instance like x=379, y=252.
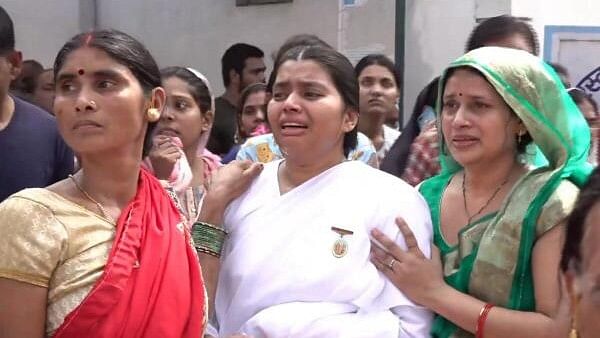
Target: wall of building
x=559, y=12
x=436, y=32
x=196, y=32
x=42, y=27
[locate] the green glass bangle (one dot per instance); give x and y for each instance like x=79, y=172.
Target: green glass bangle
x=208, y=252
x=208, y=238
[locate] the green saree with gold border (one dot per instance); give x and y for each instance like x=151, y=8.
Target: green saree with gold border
x=492, y=260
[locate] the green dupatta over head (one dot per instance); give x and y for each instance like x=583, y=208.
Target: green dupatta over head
x=494, y=262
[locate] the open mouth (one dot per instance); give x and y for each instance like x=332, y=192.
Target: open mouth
x=293, y=129
x=291, y=126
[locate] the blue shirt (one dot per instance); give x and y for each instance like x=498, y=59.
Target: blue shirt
x=263, y=148
x=32, y=152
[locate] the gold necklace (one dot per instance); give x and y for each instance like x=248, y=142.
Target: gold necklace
x=100, y=207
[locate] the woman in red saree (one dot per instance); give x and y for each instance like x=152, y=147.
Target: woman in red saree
x=103, y=253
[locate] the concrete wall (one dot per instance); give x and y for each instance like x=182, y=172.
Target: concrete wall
x=42, y=27
x=368, y=28
x=436, y=32
x=197, y=32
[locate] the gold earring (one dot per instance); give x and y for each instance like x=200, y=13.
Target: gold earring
x=574, y=333
x=152, y=114
x=574, y=320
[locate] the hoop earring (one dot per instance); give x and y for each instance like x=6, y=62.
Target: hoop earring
x=152, y=114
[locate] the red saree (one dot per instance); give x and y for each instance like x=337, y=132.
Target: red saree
x=151, y=285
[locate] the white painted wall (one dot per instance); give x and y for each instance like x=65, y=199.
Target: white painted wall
x=558, y=12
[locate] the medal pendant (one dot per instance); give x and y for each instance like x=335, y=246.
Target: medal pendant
x=340, y=248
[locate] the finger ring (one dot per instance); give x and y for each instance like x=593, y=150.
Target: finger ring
x=390, y=265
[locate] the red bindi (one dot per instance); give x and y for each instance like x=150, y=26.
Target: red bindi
x=459, y=94
x=88, y=39
x=81, y=72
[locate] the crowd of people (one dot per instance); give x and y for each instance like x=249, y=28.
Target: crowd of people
x=135, y=203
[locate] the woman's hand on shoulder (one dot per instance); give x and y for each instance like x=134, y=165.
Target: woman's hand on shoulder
x=226, y=184
x=409, y=270
x=232, y=179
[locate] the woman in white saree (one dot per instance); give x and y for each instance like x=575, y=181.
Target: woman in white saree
x=296, y=259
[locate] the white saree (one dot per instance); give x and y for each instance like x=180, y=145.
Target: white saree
x=279, y=276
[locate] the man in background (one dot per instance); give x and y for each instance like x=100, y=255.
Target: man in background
x=32, y=152
x=241, y=65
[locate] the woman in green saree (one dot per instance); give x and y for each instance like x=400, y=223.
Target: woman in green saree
x=498, y=225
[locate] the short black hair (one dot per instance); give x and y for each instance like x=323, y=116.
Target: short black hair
x=125, y=50
x=500, y=27
x=7, y=32
x=235, y=58
x=588, y=197
x=380, y=60
x=26, y=82
x=342, y=73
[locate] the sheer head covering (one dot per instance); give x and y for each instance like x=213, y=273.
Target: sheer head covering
x=535, y=93
x=493, y=258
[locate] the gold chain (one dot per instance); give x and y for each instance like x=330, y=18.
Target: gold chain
x=100, y=207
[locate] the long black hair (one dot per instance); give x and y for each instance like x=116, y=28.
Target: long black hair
x=588, y=197
x=396, y=159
